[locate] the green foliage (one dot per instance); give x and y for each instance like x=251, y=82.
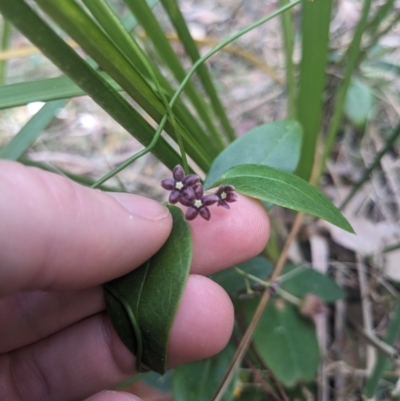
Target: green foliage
x=284, y=189
x=305, y=281
x=151, y=294
x=234, y=283
x=198, y=381
x=275, y=144
x=286, y=341
x=359, y=103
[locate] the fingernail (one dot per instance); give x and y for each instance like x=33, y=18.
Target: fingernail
x=140, y=206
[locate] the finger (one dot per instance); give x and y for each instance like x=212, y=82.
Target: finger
x=60, y=235
x=30, y=316
x=113, y=396
x=228, y=239
x=231, y=237
x=93, y=358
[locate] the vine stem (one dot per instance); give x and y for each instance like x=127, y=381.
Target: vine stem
x=244, y=343
x=184, y=83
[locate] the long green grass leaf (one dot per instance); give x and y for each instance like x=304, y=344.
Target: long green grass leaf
x=72, y=18
x=65, y=58
x=28, y=134
x=150, y=24
x=288, y=38
x=110, y=23
x=177, y=19
x=351, y=63
x=5, y=42
x=315, y=41
x=43, y=90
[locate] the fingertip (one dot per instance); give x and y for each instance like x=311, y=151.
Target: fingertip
x=203, y=323
x=231, y=237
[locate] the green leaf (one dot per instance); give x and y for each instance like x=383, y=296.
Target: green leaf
x=43, y=90
x=152, y=293
x=275, y=144
x=310, y=281
x=358, y=104
x=286, y=341
x=283, y=189
x=233, y=282
x=198, y=381
x=31, y=131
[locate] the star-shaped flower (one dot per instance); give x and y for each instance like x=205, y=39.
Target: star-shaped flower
x=226, y=194
x=197, y=205
x=179, y=184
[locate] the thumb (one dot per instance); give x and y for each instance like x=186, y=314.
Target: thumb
x=58, y=235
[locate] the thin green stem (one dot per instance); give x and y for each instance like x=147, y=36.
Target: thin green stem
x=288, y=35
x=374, y=40
x=176, y=17
x=353, y=57
x=379, y=16
x=391, y=248
x=284, y=294
x=185, y=81
x=136, y=156
x=389, y=143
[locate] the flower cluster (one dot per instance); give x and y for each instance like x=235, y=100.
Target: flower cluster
x=188, y=191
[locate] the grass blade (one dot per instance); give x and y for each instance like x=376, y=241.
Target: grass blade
x=146, y=18
x=43, y=90
x=120, y=36
x=65, y=58
x=5, y=43
x=388, y=144
x=392, y=333
x=315, y=40
x=31, y=130
x=72, y=18
x=351, y=63
x=288, y=35
x=177, y=19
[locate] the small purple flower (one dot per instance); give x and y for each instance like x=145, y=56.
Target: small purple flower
x=226, y=194
x=180, y=185
x=198, y=205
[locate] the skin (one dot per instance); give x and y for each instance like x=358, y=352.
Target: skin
x=59, y=242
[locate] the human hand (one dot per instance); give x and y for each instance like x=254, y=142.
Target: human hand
x=59, y=242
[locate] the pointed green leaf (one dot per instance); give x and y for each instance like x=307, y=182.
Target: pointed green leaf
x=198, y=381
x=283, y=189
x=274, y=144
x=286, y=341
x=310, y=281
x=152, y=293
